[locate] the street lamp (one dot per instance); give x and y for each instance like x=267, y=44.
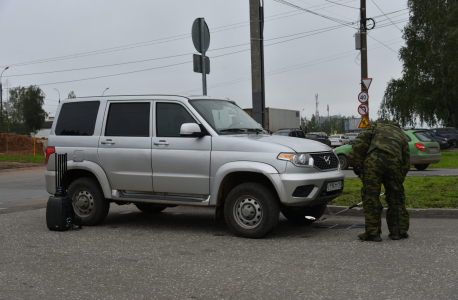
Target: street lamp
x=1, y=100
x=105, y=90
x=301, y=119
x=58, y=93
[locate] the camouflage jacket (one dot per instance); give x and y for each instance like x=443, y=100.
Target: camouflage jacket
x=386, y=137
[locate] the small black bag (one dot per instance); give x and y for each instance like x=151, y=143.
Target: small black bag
x=60, y=215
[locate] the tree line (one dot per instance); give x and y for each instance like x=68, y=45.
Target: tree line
x=23, y=113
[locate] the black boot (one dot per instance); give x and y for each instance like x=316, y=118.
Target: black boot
x=398, y=236
x=370, y=238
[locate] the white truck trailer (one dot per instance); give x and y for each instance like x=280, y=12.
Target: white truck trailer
x=277, y=118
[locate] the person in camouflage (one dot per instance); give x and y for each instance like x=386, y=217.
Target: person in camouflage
x=380, y=154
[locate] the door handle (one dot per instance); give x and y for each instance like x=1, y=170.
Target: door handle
x=161, y=142
x=108, y=142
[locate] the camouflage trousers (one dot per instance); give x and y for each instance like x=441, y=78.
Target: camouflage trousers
x=383, y=168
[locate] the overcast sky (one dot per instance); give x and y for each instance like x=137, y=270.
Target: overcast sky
x=308, y=55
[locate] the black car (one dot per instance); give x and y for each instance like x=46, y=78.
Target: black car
x=290, y=132
x=443, y=141
x=448, y=132
x=319, y=137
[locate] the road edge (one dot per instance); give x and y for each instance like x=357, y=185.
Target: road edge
x=428, y=213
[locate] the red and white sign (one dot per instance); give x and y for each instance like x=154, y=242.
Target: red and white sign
x=363, y=97
x=367, y=82
x=363, y=109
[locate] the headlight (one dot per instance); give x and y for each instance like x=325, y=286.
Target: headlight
x=298, y=159
x=446, y=139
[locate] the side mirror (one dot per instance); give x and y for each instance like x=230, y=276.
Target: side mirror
x=191, y=130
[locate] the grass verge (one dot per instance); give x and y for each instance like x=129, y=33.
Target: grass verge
x=421, y=192
x=448, y=160
x=23, y=158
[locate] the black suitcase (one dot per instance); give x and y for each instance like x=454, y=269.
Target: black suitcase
x=60, y=215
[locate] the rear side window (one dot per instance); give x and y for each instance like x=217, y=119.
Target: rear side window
x=281, y=133
x=128, y=119
x=423, y=136
x=77, y=118
x=300, y=134
x=170, y=117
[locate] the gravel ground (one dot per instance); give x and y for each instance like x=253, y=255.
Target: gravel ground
x=183, y=253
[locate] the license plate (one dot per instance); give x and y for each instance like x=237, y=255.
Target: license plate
x=432, y=149
x=332, y=186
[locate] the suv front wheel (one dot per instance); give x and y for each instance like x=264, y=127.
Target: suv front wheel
x=251, y=210
x=88, y=201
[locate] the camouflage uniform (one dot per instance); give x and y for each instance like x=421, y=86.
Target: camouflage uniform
x=382, y=153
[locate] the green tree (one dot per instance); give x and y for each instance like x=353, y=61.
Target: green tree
x=26, y=114
x=71, y=95
x=428, y=89
x=313, y=124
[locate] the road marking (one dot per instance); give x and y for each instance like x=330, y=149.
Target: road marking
x=3, y=207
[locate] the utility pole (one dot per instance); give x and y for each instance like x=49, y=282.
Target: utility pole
x=317, y=113
x=363, y=30
x=1, y=100
x=257, y=61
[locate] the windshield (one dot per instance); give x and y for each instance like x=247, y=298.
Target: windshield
x=225, y=117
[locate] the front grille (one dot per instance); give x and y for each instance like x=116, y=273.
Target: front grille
x=321, y=161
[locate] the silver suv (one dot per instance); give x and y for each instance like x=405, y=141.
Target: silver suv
x=159, y=151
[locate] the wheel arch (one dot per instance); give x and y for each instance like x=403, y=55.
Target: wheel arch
x=232, y=174
x=92, y=170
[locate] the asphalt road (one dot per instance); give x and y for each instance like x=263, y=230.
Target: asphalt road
x=183, y=253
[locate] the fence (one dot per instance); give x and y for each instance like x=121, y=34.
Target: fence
x=12, y=144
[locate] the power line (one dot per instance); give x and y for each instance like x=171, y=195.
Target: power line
x=343, y=4
x=142, y=44
x=317, y=31
x=386, y=15
x=290, y=68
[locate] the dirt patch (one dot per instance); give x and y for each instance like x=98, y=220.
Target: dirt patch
x=7, y=165
x=14, y=144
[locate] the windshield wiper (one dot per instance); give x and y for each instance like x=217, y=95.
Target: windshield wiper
x=232, y=130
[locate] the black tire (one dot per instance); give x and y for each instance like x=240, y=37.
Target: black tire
x=421, y=167
x=251, y=210
x=297, y=214
x=149, y=208
x=88, y=201
x=343, y=160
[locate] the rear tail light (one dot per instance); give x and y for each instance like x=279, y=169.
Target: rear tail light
x=340, y=141
x=420, y=146
x=317, y=139
x=49, y=151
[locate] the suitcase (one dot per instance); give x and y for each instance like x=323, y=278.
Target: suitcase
x=59, y=213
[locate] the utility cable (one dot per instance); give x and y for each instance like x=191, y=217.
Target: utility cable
x=386, y=15
x=343, y=4
x=141, y=44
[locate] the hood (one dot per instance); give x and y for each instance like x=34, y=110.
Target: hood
x=273, y=141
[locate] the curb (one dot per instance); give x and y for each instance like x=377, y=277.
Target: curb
x=429, y=213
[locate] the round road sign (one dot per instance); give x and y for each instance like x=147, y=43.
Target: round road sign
x=363, y=97
x=363, y=109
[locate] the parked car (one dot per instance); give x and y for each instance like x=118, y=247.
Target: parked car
x=339, y=140
x=443, y=142
x=158, y=151
x=295, y=132
x=424, y=150
x=319, y=137
x=448, y=132
x=351, y=135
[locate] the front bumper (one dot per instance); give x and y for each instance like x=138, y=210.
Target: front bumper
x=295, y=177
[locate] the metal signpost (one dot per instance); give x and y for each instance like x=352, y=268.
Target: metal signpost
x=201, y=39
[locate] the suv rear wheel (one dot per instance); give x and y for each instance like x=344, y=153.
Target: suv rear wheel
x=251, y=210
x=88, y=201
x=297, y=215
